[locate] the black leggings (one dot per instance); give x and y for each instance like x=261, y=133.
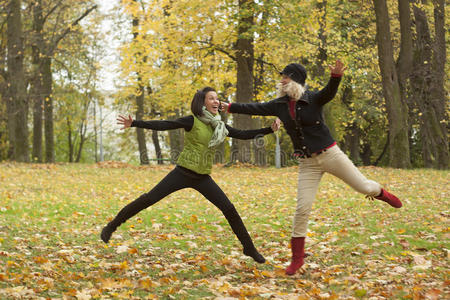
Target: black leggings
x=180, y=178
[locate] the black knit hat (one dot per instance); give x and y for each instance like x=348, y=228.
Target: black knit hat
x=296, y=72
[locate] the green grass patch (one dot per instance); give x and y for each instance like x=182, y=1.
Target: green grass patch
x=183, y=248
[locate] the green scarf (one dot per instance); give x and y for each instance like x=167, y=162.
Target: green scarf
x=220, y=131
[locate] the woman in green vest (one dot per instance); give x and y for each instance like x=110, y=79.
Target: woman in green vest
x=204, y=130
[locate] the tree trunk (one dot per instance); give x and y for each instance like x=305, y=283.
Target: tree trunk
x=143, y=153
x=244, y=87
x=258, y=144
x=69, y=139
x=3, y=116
x=427, y=86
x=47, y=50
x=37, y=117
x=397, y=111
x=36, y=83
x=47, y=82
x=10, y=122
x=439, y=99
x=386, y=145
x=155, y=141
x=95, y=133
x=365, y=154
x=17, y=84
x=155, y=138
x=83, y=129
x=352, y=132
x=259, y=149
x=140, y=97
x=352, y=137
x=405, y=58
x=175, y=139
x=421, y=82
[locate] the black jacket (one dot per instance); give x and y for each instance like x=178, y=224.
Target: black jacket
x=308, y=131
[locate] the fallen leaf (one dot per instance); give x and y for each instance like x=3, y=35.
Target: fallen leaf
x=421, y=263
x=122, y=249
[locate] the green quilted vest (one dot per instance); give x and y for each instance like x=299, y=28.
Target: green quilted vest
x=196, y=155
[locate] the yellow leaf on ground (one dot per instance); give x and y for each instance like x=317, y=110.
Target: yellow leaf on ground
x=268, y=274
x=40, y=260
x=132, y=251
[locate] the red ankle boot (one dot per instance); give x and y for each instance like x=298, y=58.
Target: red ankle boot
x=389, y=198
x=298, y=253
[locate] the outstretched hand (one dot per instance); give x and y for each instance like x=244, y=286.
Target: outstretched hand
x=338, y=68
x=224, y=106
x=121, y=120
x=276, y=125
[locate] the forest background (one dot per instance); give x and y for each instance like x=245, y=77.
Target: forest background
x=68, y=68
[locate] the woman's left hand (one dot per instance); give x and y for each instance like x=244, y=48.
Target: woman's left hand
x=276, y=125
x=338, y=68
x=224, y=106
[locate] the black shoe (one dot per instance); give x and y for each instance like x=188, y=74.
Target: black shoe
x=253, y=253
x=106, y=233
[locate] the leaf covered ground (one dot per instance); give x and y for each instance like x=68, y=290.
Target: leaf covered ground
x=182, y=247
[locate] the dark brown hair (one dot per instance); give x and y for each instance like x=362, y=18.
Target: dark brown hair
x=199, y=101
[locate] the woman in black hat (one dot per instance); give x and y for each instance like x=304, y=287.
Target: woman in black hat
x=301, y=113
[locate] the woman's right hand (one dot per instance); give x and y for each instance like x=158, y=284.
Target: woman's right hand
x=121, y=120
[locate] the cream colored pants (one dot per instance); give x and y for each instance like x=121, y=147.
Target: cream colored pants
x=335, y=162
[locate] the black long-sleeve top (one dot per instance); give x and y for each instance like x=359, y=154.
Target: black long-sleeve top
x=187, y=122
x=308, y=130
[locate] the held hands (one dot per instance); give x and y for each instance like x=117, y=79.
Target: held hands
x=276, y=125
x=121, y=120
x=338, y=68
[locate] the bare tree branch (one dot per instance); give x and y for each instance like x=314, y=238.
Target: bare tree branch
x=69, y=28
x=52, y=10
x=64, y=66
x=220, y=49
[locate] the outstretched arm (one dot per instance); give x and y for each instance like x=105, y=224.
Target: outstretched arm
x=250, y=134
x=260, y=109
x=329, y=91
x=185, y=122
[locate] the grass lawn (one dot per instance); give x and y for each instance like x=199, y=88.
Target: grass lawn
x=183, y=248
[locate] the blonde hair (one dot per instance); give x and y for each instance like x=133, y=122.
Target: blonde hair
x=292, y=89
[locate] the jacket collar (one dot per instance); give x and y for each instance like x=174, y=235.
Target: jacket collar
x=304, y=98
